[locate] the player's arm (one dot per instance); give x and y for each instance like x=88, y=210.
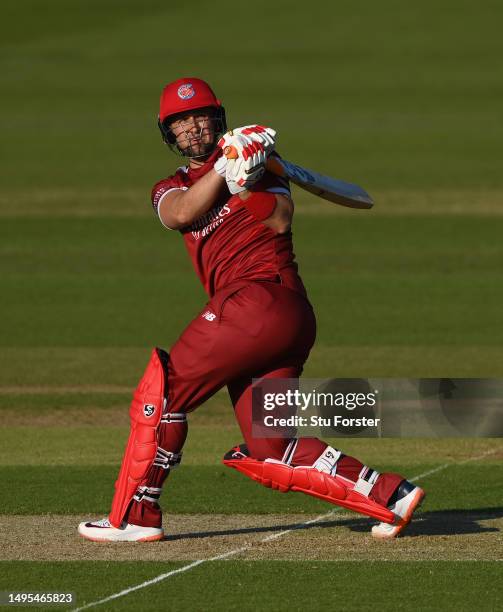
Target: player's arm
x=274, y=210
x=247, y=150
x=179, y=208
x=281, y=219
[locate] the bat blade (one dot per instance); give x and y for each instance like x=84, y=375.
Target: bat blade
x=331, y=189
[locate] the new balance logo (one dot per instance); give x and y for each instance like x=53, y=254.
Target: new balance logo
x=209, y=316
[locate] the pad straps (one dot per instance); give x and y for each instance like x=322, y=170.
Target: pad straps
x=327, y=461
x=151, y=494
x=290, y=451
x=366, y=480
x=175, y=417
x=166, y=459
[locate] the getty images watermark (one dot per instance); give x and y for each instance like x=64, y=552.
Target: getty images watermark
x=382, y=407
x=304, y=401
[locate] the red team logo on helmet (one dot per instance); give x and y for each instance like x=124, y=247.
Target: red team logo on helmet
x=186, y=91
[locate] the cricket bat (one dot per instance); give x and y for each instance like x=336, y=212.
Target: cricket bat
x=331, y=189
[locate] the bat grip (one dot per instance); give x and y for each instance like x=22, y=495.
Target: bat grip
x=231, y=152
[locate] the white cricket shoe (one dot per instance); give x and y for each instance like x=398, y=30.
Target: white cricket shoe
x=409, y=498
x=103, y=531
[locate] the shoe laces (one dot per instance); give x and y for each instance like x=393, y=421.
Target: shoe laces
x=104, y=522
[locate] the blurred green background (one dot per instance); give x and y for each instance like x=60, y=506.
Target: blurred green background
x=404, y=99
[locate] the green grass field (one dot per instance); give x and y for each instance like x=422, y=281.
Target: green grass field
x=404, y=99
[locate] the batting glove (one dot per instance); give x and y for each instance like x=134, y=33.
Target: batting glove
x=248, y=167
x=258, y=133
x=230, y=140
x=220, y=166
x=265, y=135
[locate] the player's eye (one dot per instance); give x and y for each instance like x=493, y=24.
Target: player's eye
x=184, y=121
x=187, y=122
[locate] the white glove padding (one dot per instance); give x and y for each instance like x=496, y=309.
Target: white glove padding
x=248, y=167
x=231, y=140
x=259, y=133
x=220, y=165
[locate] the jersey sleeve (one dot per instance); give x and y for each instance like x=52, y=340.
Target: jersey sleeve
x=161, y=188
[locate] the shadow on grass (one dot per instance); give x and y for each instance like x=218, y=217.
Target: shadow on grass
x=450, y=522
x=439, y=522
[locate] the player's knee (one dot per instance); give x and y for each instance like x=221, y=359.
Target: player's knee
x=305, y=451
x=292, y=451
x=267, y=448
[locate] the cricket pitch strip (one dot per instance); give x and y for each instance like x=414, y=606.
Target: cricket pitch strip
x=335, y=536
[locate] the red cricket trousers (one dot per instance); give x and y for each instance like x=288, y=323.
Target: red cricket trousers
x=250, y=329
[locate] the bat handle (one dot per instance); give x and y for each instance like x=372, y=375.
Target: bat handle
x=273, y=164
x=231, y=152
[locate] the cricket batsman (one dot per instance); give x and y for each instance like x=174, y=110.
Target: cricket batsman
x=235, y=219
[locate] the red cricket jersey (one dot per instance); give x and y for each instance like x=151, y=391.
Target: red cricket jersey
x=228, y=243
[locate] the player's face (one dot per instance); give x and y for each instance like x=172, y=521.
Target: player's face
x=194, y=133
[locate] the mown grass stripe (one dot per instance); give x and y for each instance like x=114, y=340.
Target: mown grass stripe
x=231, y=553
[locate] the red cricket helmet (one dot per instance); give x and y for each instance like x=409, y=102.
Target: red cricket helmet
x=185, y=95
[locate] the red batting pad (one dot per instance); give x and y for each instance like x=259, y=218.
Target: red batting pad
x=282, y=477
